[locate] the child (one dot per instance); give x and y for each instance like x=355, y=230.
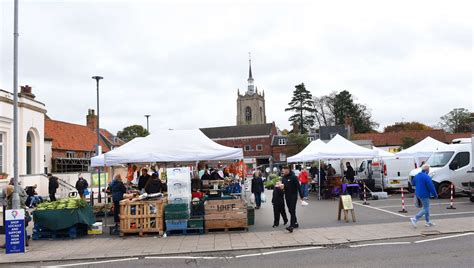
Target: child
x=278, y=202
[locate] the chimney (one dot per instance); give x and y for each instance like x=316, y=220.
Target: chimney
x=91, y=119
x=26, y=91
x=349, y=126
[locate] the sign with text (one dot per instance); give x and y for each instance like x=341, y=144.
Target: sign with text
x=15, y=231
x=346, y=201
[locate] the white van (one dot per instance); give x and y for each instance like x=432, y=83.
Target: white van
x=450, y=166
x=387, y=173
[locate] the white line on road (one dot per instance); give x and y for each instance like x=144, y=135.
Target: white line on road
x=95, y=262
x=433, y=204
x=444, y=237
x=379, y=244
x=454, y=213
x=276, y=252
x=186, y=257
x=383, y=210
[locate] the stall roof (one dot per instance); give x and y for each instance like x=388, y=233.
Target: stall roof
x=423, y=148
x=171, y=146
x=382, y=153
x=309, y=153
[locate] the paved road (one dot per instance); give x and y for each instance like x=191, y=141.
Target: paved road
x=448, y=251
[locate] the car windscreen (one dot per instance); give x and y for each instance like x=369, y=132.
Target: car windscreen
x=439, y=159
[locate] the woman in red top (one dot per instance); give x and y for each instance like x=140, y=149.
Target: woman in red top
x=304, y=181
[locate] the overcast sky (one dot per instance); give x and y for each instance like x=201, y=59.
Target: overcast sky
x=182, y=62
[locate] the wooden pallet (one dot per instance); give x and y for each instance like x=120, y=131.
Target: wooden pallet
x=189, y=231
x=147, y=217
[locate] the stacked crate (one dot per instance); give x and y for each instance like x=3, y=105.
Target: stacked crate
x=225, y=215
x=142, y=216
x=177, y=212
x=250, y=215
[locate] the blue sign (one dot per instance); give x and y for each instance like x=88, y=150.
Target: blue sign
x=15, y=231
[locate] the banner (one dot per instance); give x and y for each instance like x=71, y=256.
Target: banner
x=15, y=231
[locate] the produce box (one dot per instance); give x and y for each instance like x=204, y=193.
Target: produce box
x=95, y=229
x=219, y=206
x=196, y=222
x=225, y=224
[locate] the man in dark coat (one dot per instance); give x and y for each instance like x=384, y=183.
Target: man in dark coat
x=257, y=188
x=153, y=185
x=292, y=190
x=52, y=186
x=118, y=189
x=81, y=186
x=143, y=179
x=278, y=202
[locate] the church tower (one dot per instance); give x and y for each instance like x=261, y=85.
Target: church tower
x=251, y=105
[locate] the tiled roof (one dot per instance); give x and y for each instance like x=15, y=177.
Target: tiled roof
x=238, y=131
x=73, y=137
x=395, y=138
x=111, y=138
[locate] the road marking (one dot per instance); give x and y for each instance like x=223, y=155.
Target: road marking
x=379, y=244
x=444, y=237
x=433, y=204
x=383, y=210
x=277, y=251
x=454, y=213
x=95, y=262
x=185, y=257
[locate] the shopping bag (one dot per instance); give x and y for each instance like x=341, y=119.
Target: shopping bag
x=252, y=199
x=263, y=198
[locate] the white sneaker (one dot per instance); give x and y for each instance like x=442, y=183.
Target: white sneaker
x=413, y=222
x=429, y=224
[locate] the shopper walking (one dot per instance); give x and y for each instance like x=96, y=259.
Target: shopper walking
x=118, y=189
x=257, y=188
x=81, y=186
x=278, y=202
x=304, y=181
x=52, y=186
x=292, y=190
x=424, y=190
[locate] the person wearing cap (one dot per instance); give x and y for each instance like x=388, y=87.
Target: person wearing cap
x=292, y=190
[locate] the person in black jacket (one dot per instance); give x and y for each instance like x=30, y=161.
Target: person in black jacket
x=52, y=186
x=292, y=189
x=143, y=179
x=81, y=186
x=278, y=202
x=350, y=176
x=153, y=185
x=118, y=189
x=257, y=188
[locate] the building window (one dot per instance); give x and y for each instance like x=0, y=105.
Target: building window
x=71, y=154
x=259, y=147
x=1, y=152
x=248, y=148
x=29, y=153
x=248, y=114
x=281, y=141
x=282, y=157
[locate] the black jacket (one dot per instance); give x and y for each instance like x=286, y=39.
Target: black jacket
x=292, y=186
x=153, y=186
x=350, y=174
x=215, y=176
x=118, y=189
x=53, y=185
x=278, y=198
x=142, y=180
x=257, y=185
x=206, y=176
x=81, y=185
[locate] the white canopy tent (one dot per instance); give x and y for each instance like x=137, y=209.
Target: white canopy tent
x=171, y=146
x=309, y=153
x=383, y=153
x=423, y=148
x=341, y=148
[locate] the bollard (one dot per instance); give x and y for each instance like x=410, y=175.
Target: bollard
x=451, y=206
x=365, y=196
x=403, y=203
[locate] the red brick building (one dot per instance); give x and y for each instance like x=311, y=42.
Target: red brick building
x=69, y=147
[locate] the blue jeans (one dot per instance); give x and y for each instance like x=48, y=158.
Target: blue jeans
x=305, y=190
x=258, y=199
x=425, y=210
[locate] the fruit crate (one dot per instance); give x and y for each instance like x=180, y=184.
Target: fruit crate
x=142, y=217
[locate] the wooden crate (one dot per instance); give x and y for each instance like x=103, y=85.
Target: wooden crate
x=211, y=206
x=153, y=225
x=148, y=217
x=225, y=214
x=131, y=210
x=226, y=225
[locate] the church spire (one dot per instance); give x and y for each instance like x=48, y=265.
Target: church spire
x=250, y=79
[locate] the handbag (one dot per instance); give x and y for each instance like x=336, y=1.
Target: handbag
x=263, y=197
x=418, y=202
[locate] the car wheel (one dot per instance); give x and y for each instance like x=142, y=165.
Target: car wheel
x=444, y=190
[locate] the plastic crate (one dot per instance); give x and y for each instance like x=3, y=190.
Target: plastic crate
x=180, y=215
x=197, y=208
x=179, y=199
x=196, y=222
x=176, y=224
x=177, y=207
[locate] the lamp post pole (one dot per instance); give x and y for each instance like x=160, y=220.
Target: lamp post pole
x=16, y=192
x=147, y=125
x=97, y=79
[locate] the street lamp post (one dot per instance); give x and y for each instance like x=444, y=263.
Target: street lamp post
x=147, y=125
x=16, y=191
x=97, y=78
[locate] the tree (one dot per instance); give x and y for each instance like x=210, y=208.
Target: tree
x=343, y=106
x=404, y=126
x=296, y=143
x=131, y=132
x=302, y=105
x=407, y=142
x=323, y=110
x=456, y=121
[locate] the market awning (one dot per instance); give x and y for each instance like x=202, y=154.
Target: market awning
x=171, y=146
x=423, y=148
x=309, y=153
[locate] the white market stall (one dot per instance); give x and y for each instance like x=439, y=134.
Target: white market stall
x=382, y=153
x=422, y=150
